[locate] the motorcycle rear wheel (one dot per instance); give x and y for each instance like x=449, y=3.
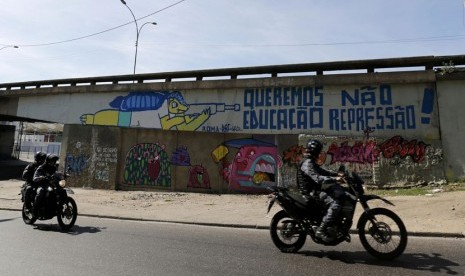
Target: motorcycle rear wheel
x=27, y=213
x=67, y=214
x=286, y=233
x=384, y=239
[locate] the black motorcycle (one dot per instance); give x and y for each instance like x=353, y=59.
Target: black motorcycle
x=56, y=203
x=381, y=232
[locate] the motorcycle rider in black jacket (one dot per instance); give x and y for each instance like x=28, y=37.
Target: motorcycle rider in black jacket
x=314, y=181
x=28, y=173
x=41, y=179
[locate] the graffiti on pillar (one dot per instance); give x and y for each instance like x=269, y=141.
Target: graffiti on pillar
x=359, y=152
x=198, y=177
x=398, y=146
x=252, y=169
x=147, y=164
x=77, y=163
x=106, y=158
x=293, y=155
x=161, y=110
x=181, y=157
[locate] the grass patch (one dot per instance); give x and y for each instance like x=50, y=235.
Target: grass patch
x=417, y=191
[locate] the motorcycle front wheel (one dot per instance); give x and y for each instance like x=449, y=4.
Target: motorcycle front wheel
x=286, y=233
x=382, y=233
x=27, y=213
x=67, y=214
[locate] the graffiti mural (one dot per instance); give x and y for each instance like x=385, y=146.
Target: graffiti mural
x=105, y=158
x=264, y=110
x=77, y=163
x=350, y=109
x=369, y=152
x=293, y=155
x=198, y=177
x=253, y=168
x=147, y=164
x=157, y=109
x=359, y=152
x=181, y=157
x=398, y=146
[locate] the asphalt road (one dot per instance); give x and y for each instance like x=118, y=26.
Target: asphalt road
x=114, y=247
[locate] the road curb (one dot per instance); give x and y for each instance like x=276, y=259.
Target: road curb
x=247, y=226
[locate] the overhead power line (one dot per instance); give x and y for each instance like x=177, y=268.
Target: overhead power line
x=389, y=41
x=98, y=33
x=406, y=40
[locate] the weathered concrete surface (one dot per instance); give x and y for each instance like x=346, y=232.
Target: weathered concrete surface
x=451, y=103
x=412, y=109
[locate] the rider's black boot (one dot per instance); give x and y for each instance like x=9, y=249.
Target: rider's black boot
x=322, y=232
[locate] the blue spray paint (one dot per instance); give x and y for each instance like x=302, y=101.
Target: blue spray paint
x=428, y=105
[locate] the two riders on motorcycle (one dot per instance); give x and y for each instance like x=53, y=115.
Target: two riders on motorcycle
x=315, y=182
x=37, y=176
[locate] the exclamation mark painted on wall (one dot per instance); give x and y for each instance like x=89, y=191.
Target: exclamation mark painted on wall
x=427, y=107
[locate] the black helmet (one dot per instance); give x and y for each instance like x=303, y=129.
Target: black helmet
x=39, y=157
x=314, y=147
x=52, y=158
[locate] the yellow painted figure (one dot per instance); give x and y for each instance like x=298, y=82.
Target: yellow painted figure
x=165, y=110
x=177, y=119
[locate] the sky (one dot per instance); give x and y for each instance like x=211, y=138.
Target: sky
x=90, y=38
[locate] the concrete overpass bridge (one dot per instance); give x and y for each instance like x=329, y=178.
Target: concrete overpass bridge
x=395, y=121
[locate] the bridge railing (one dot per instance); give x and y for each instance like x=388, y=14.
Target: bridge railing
x=426, y=62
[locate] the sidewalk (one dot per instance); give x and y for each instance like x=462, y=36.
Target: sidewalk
x=442, y=214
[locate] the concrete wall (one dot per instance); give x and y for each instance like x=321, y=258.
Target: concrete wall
x=397, y=129
x=451, y=104
x=7, y=140
x=144, y=159
x=291, y=109
x=92, y=155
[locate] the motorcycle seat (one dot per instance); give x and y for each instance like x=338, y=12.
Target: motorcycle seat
x=299, y=200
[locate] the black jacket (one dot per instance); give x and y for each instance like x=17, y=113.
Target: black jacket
x=312, y=177
x=28, y=173
x=43, y=172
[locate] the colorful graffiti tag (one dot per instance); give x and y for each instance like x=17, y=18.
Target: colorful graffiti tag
x=253, y=168
x=147, y=164
x=198, y=177
x=369, y=152
x=360, y=152
x=181, y=157
x=403, y=148
x=293, y=155
x=77, y=163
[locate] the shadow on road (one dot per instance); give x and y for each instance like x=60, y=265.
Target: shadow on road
x=416, y=261
x=76, y=230
x=3, y=220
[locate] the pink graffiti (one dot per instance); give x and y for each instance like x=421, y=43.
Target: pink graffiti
x=198, y=177
x=293, y=155
x=361, y=153
x=399, y=146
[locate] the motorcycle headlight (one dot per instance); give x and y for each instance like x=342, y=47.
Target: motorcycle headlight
x=62, y=183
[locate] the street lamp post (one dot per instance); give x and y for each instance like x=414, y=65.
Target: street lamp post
x=137, y=32
x=9, y=46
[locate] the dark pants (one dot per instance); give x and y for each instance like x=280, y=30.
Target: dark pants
x=332, y=199
x=39, y=199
